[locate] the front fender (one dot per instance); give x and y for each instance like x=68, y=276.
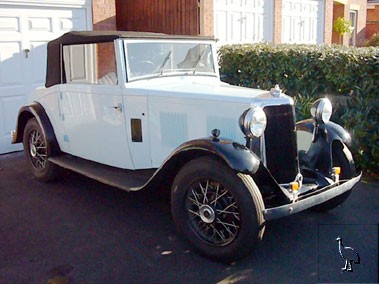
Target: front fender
x=236, y=156
x=330, y=131
x=329, y=138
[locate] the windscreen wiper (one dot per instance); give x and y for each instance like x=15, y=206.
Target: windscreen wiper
x=160, y=69
x=199, y=59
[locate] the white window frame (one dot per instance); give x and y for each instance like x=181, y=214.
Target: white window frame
x=353, y=14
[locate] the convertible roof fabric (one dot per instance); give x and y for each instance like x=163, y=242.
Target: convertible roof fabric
x=54, y=47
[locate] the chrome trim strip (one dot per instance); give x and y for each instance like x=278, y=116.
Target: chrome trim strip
x=292, y=208
x=263, y=150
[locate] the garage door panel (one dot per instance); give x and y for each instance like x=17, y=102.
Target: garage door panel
x=246, y=21
x=69, y=21
x=37, y=61
x=40, y=24
x=8, y=104
x=254, y=27
x=220, y=2
x=10, y=59
x=8, y=121
x=26, y=28
x=235, y=28
x=66, y=24
x=301, y=21
x=220, y=24
x=11, y=24
x=250, y=26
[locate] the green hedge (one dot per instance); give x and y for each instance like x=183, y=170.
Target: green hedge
x=303, y=69
x=349, y=76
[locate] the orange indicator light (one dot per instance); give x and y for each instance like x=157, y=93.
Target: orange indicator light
x=337, y=170
x=294, y=186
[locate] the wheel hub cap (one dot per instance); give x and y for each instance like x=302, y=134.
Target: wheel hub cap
x=207, y=214
x=33, y=150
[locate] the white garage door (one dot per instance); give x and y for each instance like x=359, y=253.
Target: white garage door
x=303, y=21
x=243, y=21
x=24, y=32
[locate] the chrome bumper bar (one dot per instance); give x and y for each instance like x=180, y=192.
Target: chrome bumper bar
x=292, y=208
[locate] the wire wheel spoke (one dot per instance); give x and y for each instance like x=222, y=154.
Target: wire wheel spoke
x=213, y=213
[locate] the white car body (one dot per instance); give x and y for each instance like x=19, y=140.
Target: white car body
x=90, y=120
x=173, y=110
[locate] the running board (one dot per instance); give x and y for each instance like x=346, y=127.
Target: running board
x=129, y=180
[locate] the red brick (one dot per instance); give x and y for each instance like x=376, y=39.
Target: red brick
x=104, y=14
x=372, y=21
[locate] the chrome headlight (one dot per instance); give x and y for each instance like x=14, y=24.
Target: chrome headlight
x=321, y=110
x=253, y=122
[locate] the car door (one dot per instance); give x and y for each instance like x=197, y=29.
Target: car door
x=92, y=109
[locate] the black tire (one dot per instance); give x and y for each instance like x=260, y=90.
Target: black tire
x=218, y=211
x=339, y=160
x=36, y=149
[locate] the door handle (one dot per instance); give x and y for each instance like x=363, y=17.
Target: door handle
x=26, y=52
x=118, y=107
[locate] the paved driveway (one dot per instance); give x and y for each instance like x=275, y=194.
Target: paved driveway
x=76, y=230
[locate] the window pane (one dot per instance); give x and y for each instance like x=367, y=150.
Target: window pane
x=149, y=59
x=90, y=63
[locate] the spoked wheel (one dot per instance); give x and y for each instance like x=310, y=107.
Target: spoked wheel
x=218, y=211
x=36, y=150
x=214, y=215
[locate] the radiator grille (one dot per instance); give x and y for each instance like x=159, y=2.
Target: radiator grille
x=281, y=146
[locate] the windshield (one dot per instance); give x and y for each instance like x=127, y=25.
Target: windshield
x=154, y=59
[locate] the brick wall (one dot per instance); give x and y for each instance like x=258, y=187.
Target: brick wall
x=106, y=61
x=104, y=14
x=206, y=21
x=104, y=18
x=372, y=20
x=328, y=21
x=277, y=37
x=343, y=10
x=361, y=21
x=338, y=11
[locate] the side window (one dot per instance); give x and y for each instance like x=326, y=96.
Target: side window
x=106, y=64
x=90, y=63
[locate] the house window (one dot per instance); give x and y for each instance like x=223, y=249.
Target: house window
x=353, y=20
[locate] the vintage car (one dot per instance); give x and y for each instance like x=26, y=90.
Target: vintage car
x=144, y=110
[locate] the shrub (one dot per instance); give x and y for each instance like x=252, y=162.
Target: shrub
x=342, y=26
x=348, y=76
x=361, y=118
x=303, y=107
x=373, y=41
x=303, y=69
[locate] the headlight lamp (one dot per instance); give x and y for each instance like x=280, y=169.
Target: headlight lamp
x=253, y=122
x=321, y=111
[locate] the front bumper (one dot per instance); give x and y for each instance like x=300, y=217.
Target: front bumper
x=326, y=194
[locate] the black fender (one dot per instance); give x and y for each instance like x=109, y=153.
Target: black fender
x=36, y=110
x=328, y=139
x=236, y=156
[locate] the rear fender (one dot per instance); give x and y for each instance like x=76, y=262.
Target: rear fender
x=35, y=110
